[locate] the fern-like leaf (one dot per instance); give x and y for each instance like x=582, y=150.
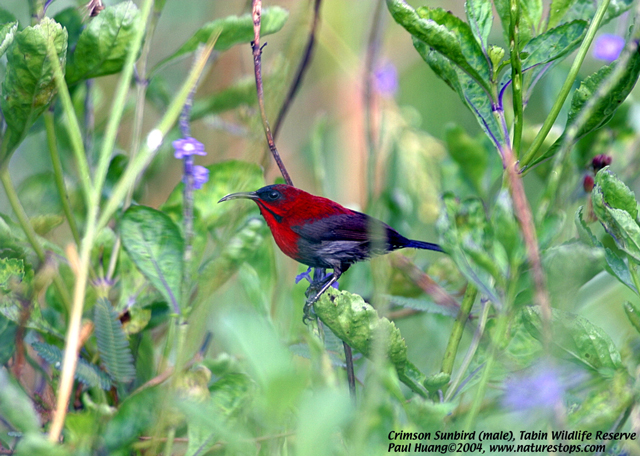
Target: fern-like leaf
x=86, y=373
x=112, y=343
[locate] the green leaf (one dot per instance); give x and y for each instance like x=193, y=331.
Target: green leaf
x=616, y=266
x=6, y=16
x=8, y=330
x=568, y=267
x=551, y=46
x=112, y=343
x=468, y=153
x=136, y=414
x=155, y=245
x=242, y=93
x=37, y=443
x=215, y=272
x=86, y=373
x=71, y=19
x=29, y=86
x=225, y=177
x=472, y=95
x=15, y=405
x=633, y=314
x=557, y=11
x=10, y=269
x=530, y=15
x=446, y=34
x=605, y=106
x=233, y=30
x=104, y=44
x=480, y=17
x=467, y=237
x=616, y=208
x=506, y=228
x=7, y=33
x=615, y=192
x=586, y=9
x=576, y=337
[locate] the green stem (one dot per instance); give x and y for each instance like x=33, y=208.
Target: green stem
x=466, y=362
x=458, y=329
x=119, y=101
x=32, y=237
x=566, y=87
x=59, y=176
x=633, y=270
x=516, y=75
x=135, y=166
x=72, y=124
x=484, y=380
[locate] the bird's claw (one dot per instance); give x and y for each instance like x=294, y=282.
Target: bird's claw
x=309, y=313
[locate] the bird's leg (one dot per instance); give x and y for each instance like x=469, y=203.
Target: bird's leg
x=311, y=300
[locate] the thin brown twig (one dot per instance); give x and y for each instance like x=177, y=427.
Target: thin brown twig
x=428, y=285
x=523, y=213
x=302, y=69
x=257, y=65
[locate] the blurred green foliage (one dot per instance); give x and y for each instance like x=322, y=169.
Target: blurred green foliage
x=192, y=341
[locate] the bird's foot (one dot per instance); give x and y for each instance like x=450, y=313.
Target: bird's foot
x=309, y=313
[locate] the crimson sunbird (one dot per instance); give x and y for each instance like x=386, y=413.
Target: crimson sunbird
x=323, y=234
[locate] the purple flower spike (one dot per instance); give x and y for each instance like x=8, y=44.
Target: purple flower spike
x=539, y=389
x=186, y=147
x=385, y=80
x=608, y=47
x=304, y=275
x=200, y=176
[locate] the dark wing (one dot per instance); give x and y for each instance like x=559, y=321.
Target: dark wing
x=354, y=226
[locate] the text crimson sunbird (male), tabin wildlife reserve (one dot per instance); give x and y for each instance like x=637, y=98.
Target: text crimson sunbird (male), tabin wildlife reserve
x=321, y=233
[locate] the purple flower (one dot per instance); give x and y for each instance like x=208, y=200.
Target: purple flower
x=307, y=275
x=200, y=176
x=186, y=147
x=540, y=389
x=608, y=47
x=385, y=79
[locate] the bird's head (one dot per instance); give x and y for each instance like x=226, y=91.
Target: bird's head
x=277, y=199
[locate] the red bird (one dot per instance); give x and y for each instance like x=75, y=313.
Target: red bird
x=321, y=233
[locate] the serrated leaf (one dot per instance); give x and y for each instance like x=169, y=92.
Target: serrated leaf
x=86, y=373
x=605, y=106
x=506, y=228
x=71, y=19
x=357, y=324
x=550, y=46
x=104, y=44
x=29, y=86
x=448, y=35
x=576, y=337
x=15, y=405
x=10, y=269
x=616, y=193
x=480, y=17
x=7, y=33
x=471, y=94
x=155, y=245
x=112, y=343
x=233, y=30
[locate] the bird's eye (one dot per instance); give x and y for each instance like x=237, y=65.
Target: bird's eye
x=273, y=195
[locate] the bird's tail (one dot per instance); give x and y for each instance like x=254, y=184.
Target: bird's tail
x=424, y=245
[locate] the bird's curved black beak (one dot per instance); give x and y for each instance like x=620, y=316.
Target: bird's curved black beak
x=247, y=195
